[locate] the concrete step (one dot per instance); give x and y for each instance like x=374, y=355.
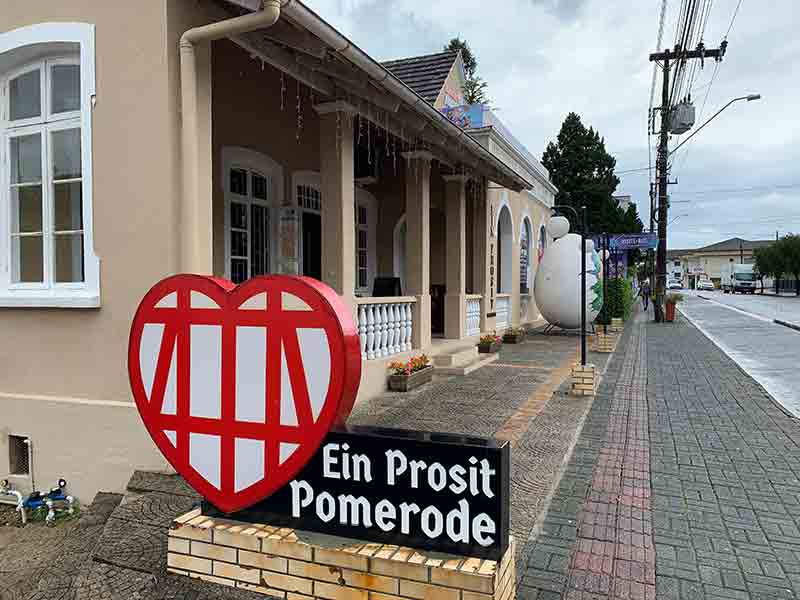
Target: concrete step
x=480, y=360
x=457, y=357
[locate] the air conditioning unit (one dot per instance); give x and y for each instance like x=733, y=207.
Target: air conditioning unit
x=681, y=118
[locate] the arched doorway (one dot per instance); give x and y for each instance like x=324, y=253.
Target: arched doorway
x=505, y=240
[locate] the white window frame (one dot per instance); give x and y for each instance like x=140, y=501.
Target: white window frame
x=311, y=179
x=235, y=157
x=366, y=200
x=85, y=294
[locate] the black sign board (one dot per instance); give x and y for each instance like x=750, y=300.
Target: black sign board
x=430, y=491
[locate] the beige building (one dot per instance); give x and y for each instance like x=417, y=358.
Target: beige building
x=707, y=262
x=142, y=139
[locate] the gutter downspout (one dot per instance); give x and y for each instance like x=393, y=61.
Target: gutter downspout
x=195, y=218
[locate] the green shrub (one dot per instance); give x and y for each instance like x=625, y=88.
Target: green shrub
x=619, y=303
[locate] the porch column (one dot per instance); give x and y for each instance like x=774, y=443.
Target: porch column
x=455, y=302
x=338, y=197
x=418, y=243
x=485, y=255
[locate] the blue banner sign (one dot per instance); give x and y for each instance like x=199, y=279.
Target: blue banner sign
x=633, y=241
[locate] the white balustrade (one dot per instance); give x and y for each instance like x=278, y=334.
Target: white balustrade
x=502, y=305
x=473, y=318
x=384, y=326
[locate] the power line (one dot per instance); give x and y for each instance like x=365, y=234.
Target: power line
x=758, y=188
x=735, y=12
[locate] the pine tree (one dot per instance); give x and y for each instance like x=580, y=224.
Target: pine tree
x=583, y=171
x=474, y=86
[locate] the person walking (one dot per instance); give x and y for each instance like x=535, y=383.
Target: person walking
x=644, y=292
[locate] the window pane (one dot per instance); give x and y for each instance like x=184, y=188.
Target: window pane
x=26, y=209
x=362, y=278
x=26, y=159
x=65, y=88
x=68, y=206
x=238, y=243
x=259, y=187
x=238, y=215
x=258, y=247
x=362, y=215
x=27, y=259
x=238, y=270
x=25, y=96
x=362, y=238
x=69, y=257
x=67, y=154
x=362, y=259
x=239, y=182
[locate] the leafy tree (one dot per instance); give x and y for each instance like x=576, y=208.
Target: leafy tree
x=474, y=86
x=789, y=247
x=764, y=262
x=583, y=171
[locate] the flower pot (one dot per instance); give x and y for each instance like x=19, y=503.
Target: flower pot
x=406, y=383
x=489, y=347
x=513, y=338
x=670, y=311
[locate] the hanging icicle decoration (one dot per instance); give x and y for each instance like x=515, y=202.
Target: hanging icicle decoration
x=299, y=113
x=283, y=91
x=369, y=142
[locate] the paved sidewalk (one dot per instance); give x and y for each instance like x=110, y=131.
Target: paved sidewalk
x=684, y=483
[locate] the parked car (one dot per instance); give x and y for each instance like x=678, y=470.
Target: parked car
x=674, y=284
x=705, y=285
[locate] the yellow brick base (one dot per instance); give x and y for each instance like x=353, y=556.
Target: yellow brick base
x=617, y=325
x=296, y=565
x=584, y=380
x=604, y=343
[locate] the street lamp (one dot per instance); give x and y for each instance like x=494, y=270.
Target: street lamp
x=581, y=218
x=749, y=98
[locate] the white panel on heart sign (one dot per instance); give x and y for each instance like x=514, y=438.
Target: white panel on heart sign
x=286, y=451
x=170, y=404
x=249, y=464
x=316, y=351
x=292, y=302
x=257, y=302
x=204, y=456
x=251, y=374
x=288, y=411
x=168, y=301
x=152, y=334
x=171, y=436
x=205, y=357
x=200, y=300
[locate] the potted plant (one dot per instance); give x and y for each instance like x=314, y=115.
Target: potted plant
x=513, y=335
x=407, y=376
x=672, y=300
x=489, y=343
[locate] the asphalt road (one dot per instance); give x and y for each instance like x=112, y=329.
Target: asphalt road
x=772, y=307
x=742, y=327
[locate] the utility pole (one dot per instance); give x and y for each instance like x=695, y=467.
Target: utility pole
x=662, y=158
x=741, y=253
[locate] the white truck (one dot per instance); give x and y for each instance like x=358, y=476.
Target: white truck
x=737, y=278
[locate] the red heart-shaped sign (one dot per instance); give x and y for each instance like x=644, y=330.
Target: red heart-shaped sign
x=238, y=385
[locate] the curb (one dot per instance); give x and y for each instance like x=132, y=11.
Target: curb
x=794, y=326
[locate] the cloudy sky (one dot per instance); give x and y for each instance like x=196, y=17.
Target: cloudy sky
x=544, y=58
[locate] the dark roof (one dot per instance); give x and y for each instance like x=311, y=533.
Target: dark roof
x=733, y=244
x=423, y=74
x=672, y=254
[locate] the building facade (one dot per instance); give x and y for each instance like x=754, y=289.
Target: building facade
x=215, y=137
x=707, y=262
